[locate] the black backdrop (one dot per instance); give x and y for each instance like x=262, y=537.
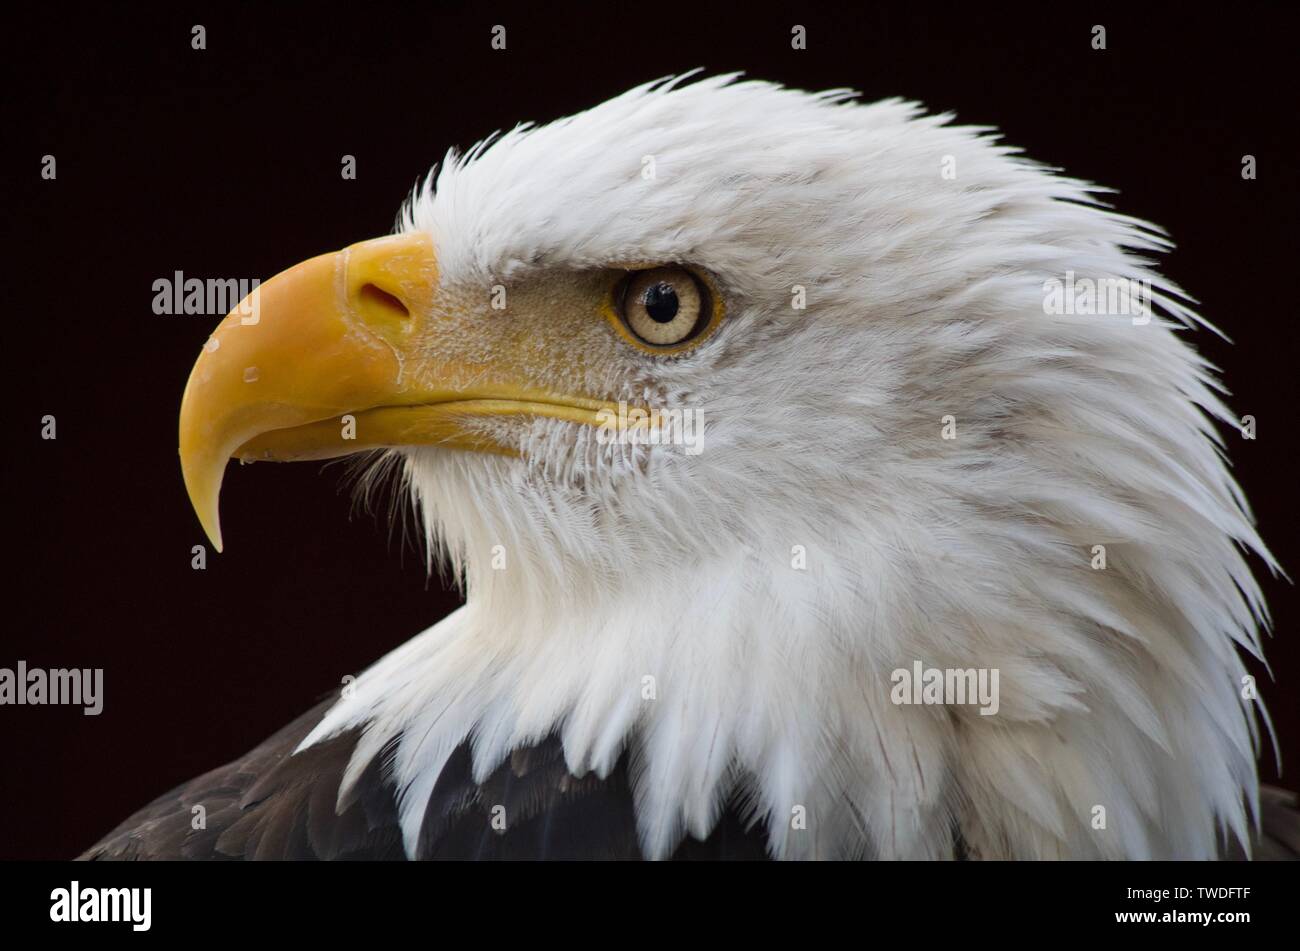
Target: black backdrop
x=225, y=162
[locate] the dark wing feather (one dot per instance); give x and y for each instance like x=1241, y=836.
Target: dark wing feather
x=267, y=805
x=1280, y=821
x=531, y=807
x=274, y=805
x=1278, y=837
x=548, y=813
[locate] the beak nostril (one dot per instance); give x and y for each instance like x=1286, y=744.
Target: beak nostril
x=377, y=301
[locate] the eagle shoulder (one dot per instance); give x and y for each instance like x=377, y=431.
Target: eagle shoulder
x=276, y=804
x=268, y=804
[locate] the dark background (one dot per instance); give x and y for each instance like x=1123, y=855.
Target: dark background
x=225, y=163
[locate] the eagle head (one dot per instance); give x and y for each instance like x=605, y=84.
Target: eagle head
x=727, y=403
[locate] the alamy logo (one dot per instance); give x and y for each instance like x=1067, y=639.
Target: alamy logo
x=643, y=427
x=214, y=297
x=951, y=686
x=36, y=686
x=1103, y=296
x=103, y=904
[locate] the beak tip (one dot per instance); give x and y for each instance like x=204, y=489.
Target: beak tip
x=211, y=527
x=210, y=519
x=205, y=495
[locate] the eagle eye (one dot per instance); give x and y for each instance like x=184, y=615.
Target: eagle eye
x=664, y=306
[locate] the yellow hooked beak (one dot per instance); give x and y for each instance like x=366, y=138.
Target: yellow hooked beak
x=349, y=351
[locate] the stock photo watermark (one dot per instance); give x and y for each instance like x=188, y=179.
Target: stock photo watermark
x=1098, y=297
x=37, y=686
x=211, y=297
x=634, y=426
x=946, y=686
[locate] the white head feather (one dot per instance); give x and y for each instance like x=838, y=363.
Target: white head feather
x=1119, y=687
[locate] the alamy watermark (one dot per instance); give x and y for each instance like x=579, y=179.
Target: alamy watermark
x=76, y=903
x=1102, y=296
x=948, y=686
x=635, y=426
x=35, y=686
x=214, y=297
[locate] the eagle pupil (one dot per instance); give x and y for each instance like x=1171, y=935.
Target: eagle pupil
x=661, y=302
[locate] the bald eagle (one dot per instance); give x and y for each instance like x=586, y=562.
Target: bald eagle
x=732, y=408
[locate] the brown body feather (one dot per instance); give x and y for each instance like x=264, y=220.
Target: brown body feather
x=272, y=804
